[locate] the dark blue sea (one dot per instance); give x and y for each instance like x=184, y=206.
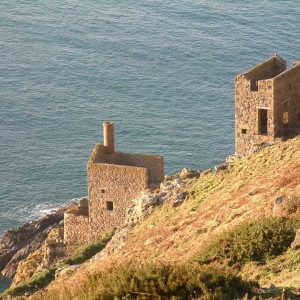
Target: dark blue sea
x=163, y=71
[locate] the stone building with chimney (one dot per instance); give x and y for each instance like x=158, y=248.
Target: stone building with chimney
x=114, y=180
x=267, y=103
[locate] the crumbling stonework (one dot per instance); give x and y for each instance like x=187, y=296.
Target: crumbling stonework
x=114, y=180
x=111, y=189
x=267, y=104
x=77, y=223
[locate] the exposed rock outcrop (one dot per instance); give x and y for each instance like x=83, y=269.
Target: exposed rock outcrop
x=50, y=251
x=41, y=242
x=173, y=190
x=296, y=243
x=18, y=243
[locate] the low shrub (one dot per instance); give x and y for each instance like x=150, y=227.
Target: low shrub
x=165, y=282
x=254, y=241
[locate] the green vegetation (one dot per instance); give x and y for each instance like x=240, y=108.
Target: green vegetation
x=255, y=241
x=283, y=270
x=42, y=279
x=164, y=282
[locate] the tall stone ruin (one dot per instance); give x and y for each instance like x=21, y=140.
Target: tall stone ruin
x=267, y=103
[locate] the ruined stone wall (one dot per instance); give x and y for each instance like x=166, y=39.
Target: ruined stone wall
x=111, y=189
x=76, y=223
x=75, y=229
x=267, y=69
x=287, y=103
x=247, y=103
x=154, y=164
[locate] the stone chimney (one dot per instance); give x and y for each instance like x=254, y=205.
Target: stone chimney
x=109, y=137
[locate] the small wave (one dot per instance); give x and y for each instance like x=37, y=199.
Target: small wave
x=33, y=212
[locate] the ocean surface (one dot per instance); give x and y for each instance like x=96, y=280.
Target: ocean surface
x=163, y=71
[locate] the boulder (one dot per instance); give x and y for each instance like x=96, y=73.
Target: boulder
x=189, y=173
x=221, y=167
x=296, y=243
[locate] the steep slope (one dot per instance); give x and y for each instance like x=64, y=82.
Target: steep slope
x=257, y=185
x=217, y=202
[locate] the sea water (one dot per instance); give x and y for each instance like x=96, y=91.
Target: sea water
x=163, y=71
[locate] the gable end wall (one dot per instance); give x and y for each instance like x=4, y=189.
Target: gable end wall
x=115, y=183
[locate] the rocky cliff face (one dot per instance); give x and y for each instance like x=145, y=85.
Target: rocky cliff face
x=18, y=243
x=34, y=243
x=35, y=246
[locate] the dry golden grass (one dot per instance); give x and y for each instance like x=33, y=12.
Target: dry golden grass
x=217, y=202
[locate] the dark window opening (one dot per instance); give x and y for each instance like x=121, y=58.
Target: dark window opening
x=244, y=131
x=285, y=106
x=253, y=85
x=262, y=121
x=109, y=205
x=102, y=191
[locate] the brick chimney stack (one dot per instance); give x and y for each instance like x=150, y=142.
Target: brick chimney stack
x=109, y=137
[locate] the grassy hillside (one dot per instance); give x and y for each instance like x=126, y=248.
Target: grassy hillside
x=218, y=202
x=198, y=235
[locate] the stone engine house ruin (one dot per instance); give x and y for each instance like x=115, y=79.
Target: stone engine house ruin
x=267, y=104
x=114, y=180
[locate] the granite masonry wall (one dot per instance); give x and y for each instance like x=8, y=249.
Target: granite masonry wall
x=114, y=180
x=76, y=229
x=111, y=190
x=76, y=224
x=261, y=110
x=287, y=102
x=154, y=164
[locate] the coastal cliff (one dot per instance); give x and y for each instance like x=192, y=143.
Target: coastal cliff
x=18, y=243
x=239, y=222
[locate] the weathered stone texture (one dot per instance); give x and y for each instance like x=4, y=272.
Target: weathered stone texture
x=114, y=180
x=267, y=91
x=154, y=164
x=18, y=243
x=76, y=224
x=287, y=103
x=114, y=184
x=76, y=229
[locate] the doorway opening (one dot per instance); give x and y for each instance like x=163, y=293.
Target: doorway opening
x=262, y=121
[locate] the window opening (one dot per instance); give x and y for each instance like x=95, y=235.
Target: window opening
x=253, y=85
x=244, y=131
x=109, y=205
x=262, y=121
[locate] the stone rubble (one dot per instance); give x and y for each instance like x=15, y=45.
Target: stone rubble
x=232, y=158
x=172, y=191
